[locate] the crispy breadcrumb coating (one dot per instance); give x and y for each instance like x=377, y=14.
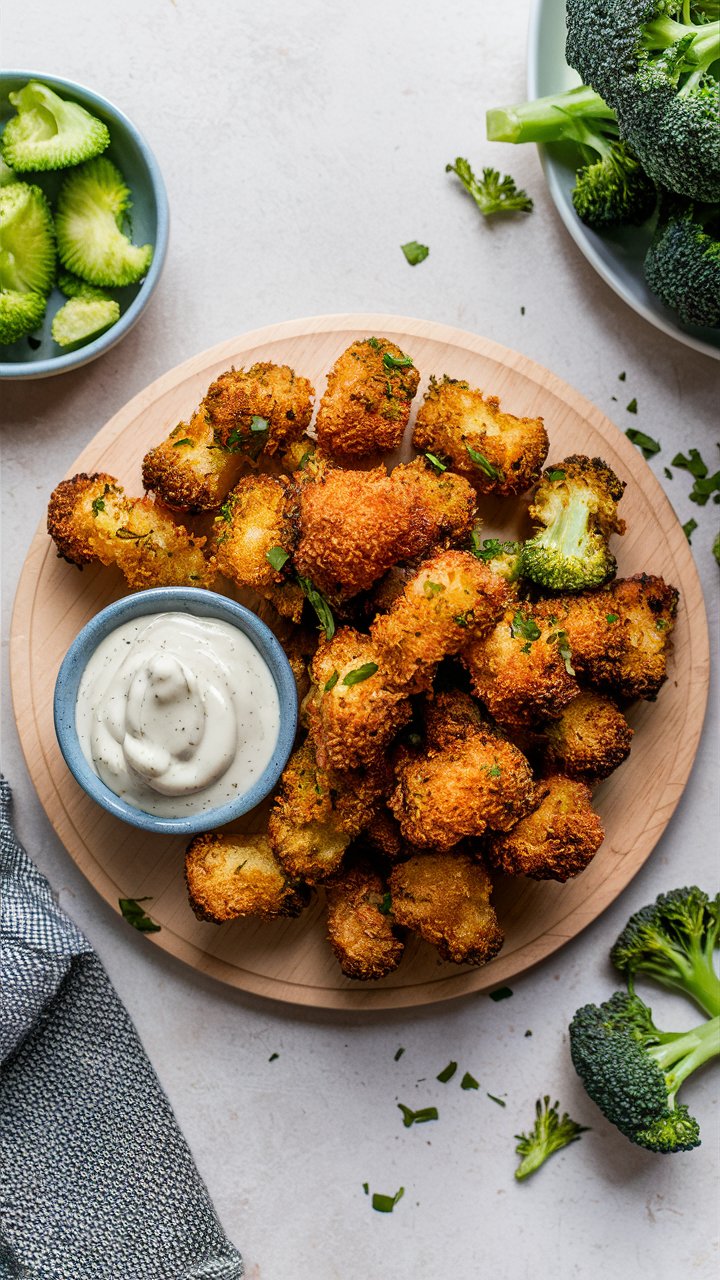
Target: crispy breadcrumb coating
x=253, y=523
x=366, y=406
x=90, y=518
x=360, y=929
x=445, y=897
x=231, y=875
x=384, y=836
x=520, y=670
x=449, y=600
x=589, y=740
x=471, y=785
x=554, y=842
x=354, y=714
x=450, y=717
x=188, y=471
x=454, y=418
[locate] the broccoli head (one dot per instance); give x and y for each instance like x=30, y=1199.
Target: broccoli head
x=682, y=265
x=550, y=1132
x=633, y=1071
x=673, y=940
x=576, y=503
x=48, y=132
x=654, y=62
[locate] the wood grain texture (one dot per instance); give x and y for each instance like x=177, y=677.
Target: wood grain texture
x=290, y=959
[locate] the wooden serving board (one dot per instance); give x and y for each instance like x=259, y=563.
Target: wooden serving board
x=290, y=959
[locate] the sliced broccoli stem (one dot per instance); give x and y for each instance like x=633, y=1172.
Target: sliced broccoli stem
x=568, y=529
x=678, y=1056
x=548, y=119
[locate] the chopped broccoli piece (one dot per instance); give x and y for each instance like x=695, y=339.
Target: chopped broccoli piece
x=682, y=265
x=611, y=188
x=7, y=175
x=576, y=502
x=48, y=132
x=73, y=287
x=20, y=313
x=655, y=63
x=674, y=940
x=27, y=240
x=491, y=193
x=82, y=319
x=91, y=243
x=633, y=1071
x=551, y=1132
x=504, y=558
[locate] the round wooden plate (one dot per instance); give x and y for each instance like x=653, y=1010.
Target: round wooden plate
x=290, y=959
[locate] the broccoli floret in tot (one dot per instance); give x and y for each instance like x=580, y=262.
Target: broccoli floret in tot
x=682, y=265
x=551, y=1132
x=50, y=133
x=576, y=502
x=611, y=188
x=633, y=1071
x=673, y=940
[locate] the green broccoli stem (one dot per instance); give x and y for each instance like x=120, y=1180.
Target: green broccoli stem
x=679, y=1055
x=550, y=119
x=663, y=33
x=692, y=973
x=567, y=530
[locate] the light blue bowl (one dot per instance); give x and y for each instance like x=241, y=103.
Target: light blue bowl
x=150, y=223
x=204, y=604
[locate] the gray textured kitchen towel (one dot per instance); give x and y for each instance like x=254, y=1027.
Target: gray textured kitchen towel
x=96, y=1180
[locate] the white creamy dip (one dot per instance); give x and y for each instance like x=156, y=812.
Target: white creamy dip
x=177, y=714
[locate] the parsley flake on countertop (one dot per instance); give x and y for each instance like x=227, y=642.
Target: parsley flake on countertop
x=716, y=548
x=399, y=1054
x=689, y=528
x=414, y=252
x=447, y=1073
x=366, y=1188
x=411, y=1117
x=493, y=1098
x=469, y=1082
x=137, y=916
x=694, y=463
x=273, y=1056
x=632, y=406
x=668, y=473
x=622, y=376
x=500, y=993
x=643, y=442
x=386, y=1204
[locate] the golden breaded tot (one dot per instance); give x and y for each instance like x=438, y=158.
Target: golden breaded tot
x=360, y=931
x=589, y=740
x=454, y=418
x=556, y=841
x=448, y=501
x=241, y=400
x=463, y=789
x=384, y=836
x=253, y=523
x=90, y=518
x=366, y=406
x=228, y=876
x=584, y=619
x=450, y=717
x=353, y=714
x=189, y=471
x=445, y=897
x=519, y=671
x=448, y=601
x=304, y=831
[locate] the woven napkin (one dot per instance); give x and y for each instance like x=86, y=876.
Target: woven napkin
x=96, y=1180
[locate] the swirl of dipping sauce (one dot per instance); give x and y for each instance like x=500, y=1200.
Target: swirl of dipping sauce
x=177, y=714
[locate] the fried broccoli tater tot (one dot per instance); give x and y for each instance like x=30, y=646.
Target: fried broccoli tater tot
x=244, y=413
x=520, y=670
x=91, y=518
x=253, y=524
x=456, y=421
x=366, y=406
x=353, y=714
x=445, y=897
x=450, y=599
x=449, y=717
x=557, y=840
x=589, y=740
x=354, y=525
x=229, y=876
x=360, y=931
x=463, y=789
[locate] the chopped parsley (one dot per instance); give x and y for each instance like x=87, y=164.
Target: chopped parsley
x=632, y=406
x=360, y=673
x=373, y=342
x=524, y=628
x=447, y=1073
x=399, y=1054
x=494, y=771
x=622, y=376
x=611, y=617
x=127, y=535
x=277, y=557
x=98, y=505
x=386, y=1204
x=397, y=362
x=385, y=907
x=226, y=510
x=137, y=916
x=469, y=1082
x=436, y=463
x=556, y=473
x=493, y=473
x=668, y=473
x=643, y=442
x=693, y=462
x=320, y=605
x=501, y=993
x=185, y=440
x=414, y=252
x=703, y=488
x=561, y=639
x=411, y=1117
x=689, y=528
x=330, y=684
x=490, y=548
x=238, y=439
x=716, y=548
x=273, y=1056
x=432, y=588
x=522, y=311
x=366, y=1188
x=494, y=1098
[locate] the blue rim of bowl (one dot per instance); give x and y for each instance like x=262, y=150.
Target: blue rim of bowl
x=107, y=340
x=163, y=600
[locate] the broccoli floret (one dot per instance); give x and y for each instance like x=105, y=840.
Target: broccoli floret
x=576, y=502
x=48, y=132
x=73, y=287
x=611, y=189
x=91, y=206
x=491, y=193
x=20, y=313
x=674, y=941
x=82, y=319
x=682, y=265
x=504, y=558
x=551, y=1132
x=633, y=1071
x=654, y=62
x=27, y=240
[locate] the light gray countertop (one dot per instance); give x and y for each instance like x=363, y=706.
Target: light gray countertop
x=302, y=144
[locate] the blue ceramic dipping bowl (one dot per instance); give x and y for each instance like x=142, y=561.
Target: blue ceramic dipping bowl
x=203, y=604
x=150, y=225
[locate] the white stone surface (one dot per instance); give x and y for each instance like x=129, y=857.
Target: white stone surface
x=301, y=144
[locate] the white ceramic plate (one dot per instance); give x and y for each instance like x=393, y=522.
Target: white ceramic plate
x=616, y=256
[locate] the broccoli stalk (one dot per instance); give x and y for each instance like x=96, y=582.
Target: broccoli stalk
x=550, y=1132
x=634, y=1071
x=673, y=940
x=576, y=502
x=610, y=190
